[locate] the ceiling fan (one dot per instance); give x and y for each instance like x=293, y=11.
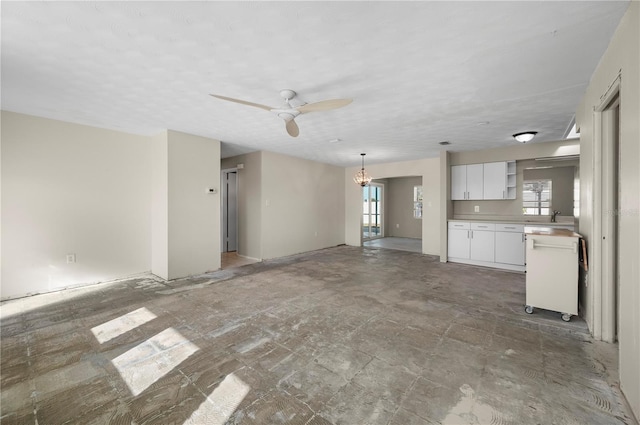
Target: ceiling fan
x=288, y=113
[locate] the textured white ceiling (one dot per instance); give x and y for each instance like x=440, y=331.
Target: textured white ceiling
x=472, y=73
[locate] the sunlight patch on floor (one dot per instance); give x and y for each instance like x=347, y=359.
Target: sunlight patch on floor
x=221, y=403
x=116, y=327
x=149, y=361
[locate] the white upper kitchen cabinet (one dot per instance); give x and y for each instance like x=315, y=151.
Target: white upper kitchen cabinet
x=495, y=180
x=466, y=182
x=458, y=182
x=474, y=181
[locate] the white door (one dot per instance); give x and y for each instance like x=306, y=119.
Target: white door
x=510, y=248
x=482, y=245
x=229, y=211
x=372, y=210
x=458, y=243
x=475, y=178
x=458, y=182
x=495, y=180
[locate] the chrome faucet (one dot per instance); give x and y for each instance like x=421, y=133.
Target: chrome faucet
x=553, y=216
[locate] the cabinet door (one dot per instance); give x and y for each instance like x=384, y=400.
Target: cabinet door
x=482, y=245
x=495, y=180
x=458, y=244
x=458, y=182
x=474, y=181
x=510, y=248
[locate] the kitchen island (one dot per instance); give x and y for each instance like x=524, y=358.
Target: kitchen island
x=552, y=270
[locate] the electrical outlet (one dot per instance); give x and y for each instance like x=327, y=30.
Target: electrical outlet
x=71, y=258
x=476, y=208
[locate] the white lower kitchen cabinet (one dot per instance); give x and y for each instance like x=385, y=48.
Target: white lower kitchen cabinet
x=459, y=242
x=487, y=244
x=510, y=245
x=482, y=242
x=510, y=248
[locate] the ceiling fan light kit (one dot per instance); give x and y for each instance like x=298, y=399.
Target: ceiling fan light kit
x=289, y=113
x=525, y=137
x=361, y=177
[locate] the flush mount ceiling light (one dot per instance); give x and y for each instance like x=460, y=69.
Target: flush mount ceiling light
x=525, y=136
x=361, y=177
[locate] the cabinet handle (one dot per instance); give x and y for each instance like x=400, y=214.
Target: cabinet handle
x=509, y=227
x=483, y=227
x=472, y=234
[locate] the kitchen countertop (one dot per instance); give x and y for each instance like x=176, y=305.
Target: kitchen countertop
x=525, y=223
x=550, y=231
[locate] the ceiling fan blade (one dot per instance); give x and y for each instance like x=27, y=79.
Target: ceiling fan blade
x=324, y=105
x=292, y=128
x=243, y=102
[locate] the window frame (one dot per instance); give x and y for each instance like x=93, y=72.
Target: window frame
x=543, y=205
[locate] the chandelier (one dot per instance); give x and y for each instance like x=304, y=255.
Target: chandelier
x=361, y=177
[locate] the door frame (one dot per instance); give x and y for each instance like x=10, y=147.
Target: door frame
x=604, y=267
x=223, y=204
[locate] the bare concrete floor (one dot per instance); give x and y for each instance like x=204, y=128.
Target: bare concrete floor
x=339, y=336
x=403, y=244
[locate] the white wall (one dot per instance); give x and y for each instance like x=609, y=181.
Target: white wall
x=302, y=204
x=193, y=214
x=69, y=188
x=249, y=203
x=160, y=205
x=622, y=55
x=428, y=169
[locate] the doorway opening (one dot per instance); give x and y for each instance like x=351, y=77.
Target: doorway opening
x=401, y=221
x=372, y=212
x=229, y=234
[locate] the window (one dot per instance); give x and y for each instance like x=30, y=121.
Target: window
x=536, y=197
x=417, y=201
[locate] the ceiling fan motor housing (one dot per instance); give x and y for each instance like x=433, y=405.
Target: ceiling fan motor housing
x=287, y=94
x=287, y=114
